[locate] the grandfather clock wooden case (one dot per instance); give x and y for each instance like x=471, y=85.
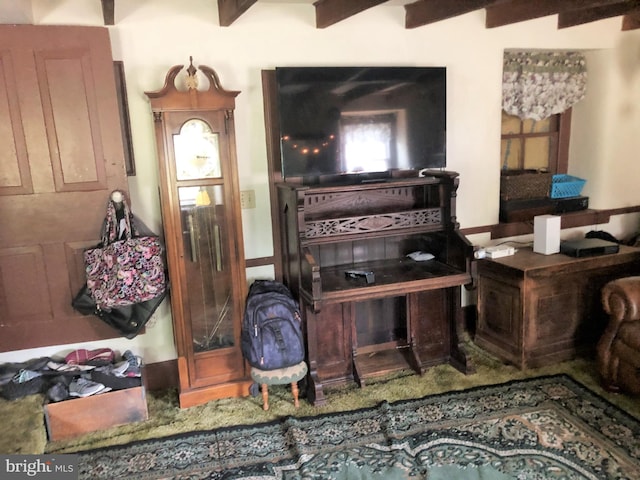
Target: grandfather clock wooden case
x=203, y=233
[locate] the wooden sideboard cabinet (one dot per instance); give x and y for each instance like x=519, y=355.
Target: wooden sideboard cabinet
x=534, y=309
x=410, y=316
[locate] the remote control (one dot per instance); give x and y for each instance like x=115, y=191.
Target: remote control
x=361, y=273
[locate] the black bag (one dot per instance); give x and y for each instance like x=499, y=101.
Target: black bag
x=271, y=328
x=128, y=320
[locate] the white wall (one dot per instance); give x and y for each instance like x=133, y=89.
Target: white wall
x=605, y=138
x=151, y=36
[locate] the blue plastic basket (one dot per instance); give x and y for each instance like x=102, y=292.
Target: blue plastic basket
x=564, y=186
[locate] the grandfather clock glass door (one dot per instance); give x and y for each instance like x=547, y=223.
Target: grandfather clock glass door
x=207, y=268
x=203, y=226
x=201, y=216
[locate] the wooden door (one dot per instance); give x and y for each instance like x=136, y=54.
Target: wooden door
x=62, y=155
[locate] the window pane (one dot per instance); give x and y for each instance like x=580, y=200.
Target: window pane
x=367, y=143
x=536, y=153
x=536, y=126
x=510, y=124
x=510, y=154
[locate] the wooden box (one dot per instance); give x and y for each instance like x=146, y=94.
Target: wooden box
x=70, y=418
x=525, y=210
x=524, y=184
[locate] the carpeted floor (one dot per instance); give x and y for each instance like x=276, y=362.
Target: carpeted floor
x=166, y=418
x=22, y=429
x=542, y=428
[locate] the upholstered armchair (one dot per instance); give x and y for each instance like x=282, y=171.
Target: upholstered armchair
x=618, y=350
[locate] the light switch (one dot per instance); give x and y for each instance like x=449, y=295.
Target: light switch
x=248, y=199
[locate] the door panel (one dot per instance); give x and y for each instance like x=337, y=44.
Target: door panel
x=64, y=156
x=71, y=119
x=21, y=268
x=15, y=174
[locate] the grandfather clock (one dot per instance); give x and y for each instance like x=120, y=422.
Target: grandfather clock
x=203, y=232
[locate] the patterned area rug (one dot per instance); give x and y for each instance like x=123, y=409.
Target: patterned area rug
x=544, y=428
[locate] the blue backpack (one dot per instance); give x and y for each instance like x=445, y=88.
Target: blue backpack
x=271, y=335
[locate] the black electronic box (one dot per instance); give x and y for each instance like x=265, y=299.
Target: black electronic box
x=588, y=247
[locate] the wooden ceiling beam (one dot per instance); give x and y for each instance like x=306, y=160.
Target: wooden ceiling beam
x=230, y=10
x=108, y=12
x=631, y=21
x=587, y=15
x=329, y=12
x=521, y=10
x=424, y=12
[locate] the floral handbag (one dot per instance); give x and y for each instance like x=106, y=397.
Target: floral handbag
x=124, y=268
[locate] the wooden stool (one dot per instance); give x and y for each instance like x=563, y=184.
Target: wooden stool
x=279, y=376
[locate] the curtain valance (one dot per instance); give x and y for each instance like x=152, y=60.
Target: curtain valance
x=537, y=85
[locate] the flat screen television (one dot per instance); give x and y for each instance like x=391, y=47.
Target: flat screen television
x=360, y=123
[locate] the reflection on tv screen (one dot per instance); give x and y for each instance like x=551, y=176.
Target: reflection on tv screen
x=352, y=120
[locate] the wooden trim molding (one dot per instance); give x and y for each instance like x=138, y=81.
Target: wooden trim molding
x=125, y=121
x=564, y=135
x=260, y=262
x=569, y=220
x=272, y=125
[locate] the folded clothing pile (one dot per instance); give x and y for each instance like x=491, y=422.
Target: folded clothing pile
x=81, y=373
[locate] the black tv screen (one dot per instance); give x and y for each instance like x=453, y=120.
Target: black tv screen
x=361, y=120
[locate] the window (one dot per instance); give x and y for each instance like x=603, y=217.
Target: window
x=538, y=89
x=535, y=144
x=370, y=139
